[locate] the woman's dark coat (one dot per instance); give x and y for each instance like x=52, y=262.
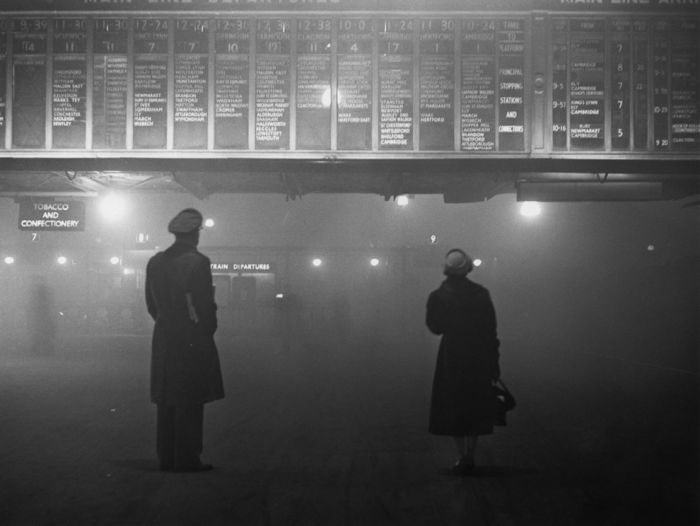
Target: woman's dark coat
x=467, y=363
x=185, y=367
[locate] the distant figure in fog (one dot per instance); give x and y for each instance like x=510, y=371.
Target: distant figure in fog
x=463, y=404
x=42, y=321
x=185, y=370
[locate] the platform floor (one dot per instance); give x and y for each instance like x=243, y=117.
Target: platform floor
x=321, y=434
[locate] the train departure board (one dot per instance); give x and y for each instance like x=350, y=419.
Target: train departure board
x=351, y=78
x=355, y=56
x=69, y=83
x=436, y=83
x=110, y=72
x=150, y=73
x=191, y=78
x=313, y=84
x=273, y=69
x=4, y=30
x=232, y=83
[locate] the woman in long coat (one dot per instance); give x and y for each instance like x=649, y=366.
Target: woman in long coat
x=463, y=403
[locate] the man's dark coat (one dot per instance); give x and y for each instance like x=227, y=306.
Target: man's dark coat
x=185, y=367
x=462, y=400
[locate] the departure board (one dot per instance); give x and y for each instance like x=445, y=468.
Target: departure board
x=640, y=69
x=510, y=35
x=437, y=83
x=684, y=83
x=620, y=53
x=352, y=78
x=650, y=84
x=396, y=48
x=232, y=83
x=69, y=85
x=110, y=83
x=355, y=83
x=4, y=30
x=151, y=58
x=272, y=83
x=478, y=85
x=587, y=84
x=313, y=83
x=191, y=107
x=29, y=72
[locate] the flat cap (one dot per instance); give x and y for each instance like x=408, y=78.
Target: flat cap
x=186, y=221
x=457, y=263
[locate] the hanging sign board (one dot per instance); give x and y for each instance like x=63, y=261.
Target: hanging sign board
x=244, y=267
x=52, y=215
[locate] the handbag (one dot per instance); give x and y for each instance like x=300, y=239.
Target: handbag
x=505, y=401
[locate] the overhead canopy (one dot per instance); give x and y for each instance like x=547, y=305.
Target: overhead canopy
x=465, y=180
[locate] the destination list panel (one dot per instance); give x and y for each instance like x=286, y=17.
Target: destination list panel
x=456, y=85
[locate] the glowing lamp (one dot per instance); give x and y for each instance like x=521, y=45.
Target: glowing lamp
x=477, y=262
x=530, y=209
x=9, y=260
x=402, y=200
x=374, y=262
x=113, y=207
x=114, y=260
x=61, y=260
x=317, y=262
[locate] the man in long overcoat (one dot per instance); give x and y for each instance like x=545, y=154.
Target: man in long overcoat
x=463, y=401
x=185, y=369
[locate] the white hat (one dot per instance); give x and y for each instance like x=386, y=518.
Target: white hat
x=457, y=263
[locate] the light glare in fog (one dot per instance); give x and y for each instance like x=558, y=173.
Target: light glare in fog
x=530, y=209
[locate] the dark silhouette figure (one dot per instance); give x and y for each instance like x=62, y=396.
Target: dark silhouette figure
x=463, y=403
x=185, y=369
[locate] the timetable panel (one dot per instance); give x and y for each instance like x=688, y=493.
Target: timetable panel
x=355, y=83
x=313, y=83
x=29, y=70
x=365, y=82
x=437, y=83
x=191, y=79
x=110, y=74
x=478, y=85
x=396, y=47
x=273, y=65
x=4, y=30
x=150, y=89
x=232, y=83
